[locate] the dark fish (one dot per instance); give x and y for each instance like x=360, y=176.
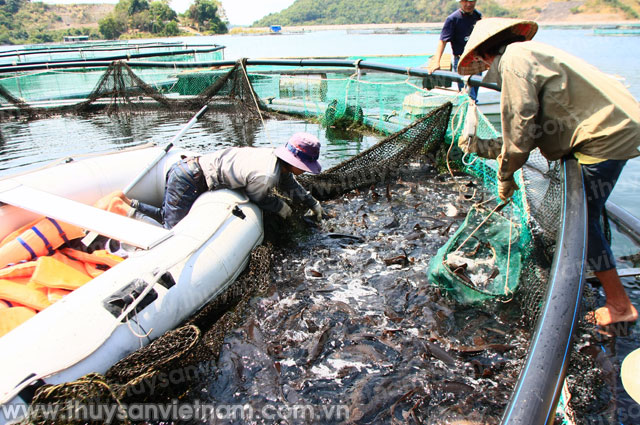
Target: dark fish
x=402, y=260
x=439, y=353
x=345, y=237
x=392, y=315
x=446, y=229
x=391, y=223
x=415, y=235
x=459, y=271
x=634, y=258
x=472, y=349
x=255, y=334
x=316, y=348
x=368, y=351
x=343, y=307
x=437, y=224
x=456, y=387
x=494, y=273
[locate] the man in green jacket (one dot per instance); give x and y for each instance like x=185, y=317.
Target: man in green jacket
x=559, y=103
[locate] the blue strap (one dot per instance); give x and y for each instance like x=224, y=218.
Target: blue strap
x=301, y=154
x=47, y=244
x=27, y=247
x=61, y=232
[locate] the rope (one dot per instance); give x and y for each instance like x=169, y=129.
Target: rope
x=255, y=101
x=454, y=131
x=506, y=279
x=140, y=336
x=482, y=223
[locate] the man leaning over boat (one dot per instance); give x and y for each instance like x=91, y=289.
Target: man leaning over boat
x=559, y=103
x=256, y=170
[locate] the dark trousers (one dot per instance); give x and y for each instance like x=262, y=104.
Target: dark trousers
x=599, y=181
x=185, y=182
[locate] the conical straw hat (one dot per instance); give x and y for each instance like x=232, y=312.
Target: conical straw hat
x=485, y=29
x=630, y=374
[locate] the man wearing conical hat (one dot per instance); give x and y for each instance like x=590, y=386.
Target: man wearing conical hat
x=559, y=103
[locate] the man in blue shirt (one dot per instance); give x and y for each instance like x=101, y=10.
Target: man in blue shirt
x=456, y=30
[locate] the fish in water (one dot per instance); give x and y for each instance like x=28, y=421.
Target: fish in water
x=478, y=271
x=352, y=314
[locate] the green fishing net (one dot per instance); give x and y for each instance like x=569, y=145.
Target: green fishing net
x=481, y=261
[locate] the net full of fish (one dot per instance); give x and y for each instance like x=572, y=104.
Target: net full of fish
x=353, y=331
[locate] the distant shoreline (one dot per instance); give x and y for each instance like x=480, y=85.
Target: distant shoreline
x=432, y=25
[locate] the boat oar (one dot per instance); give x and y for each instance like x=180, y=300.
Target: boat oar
x=91, y=236
x=177, y=137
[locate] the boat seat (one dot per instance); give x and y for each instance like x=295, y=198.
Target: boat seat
x=133, y=232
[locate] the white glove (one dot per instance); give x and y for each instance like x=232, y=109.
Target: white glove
x=317, y=210
x=284, y=211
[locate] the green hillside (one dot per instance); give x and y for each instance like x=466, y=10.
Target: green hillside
x=26, y=22
x=341, y=12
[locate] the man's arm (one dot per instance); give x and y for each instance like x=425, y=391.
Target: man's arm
x=519, y=107
x=434, y=63
x=290, y=187
x=258, y=190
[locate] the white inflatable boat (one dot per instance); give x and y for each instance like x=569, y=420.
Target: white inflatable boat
x=175, y=272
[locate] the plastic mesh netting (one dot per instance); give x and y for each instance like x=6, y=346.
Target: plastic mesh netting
x=425, y=133
x=419, y=124
x=144, y=376
x=416, y=120
x=120, y=88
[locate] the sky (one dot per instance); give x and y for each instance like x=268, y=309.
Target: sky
x=239, y=12
x=245, y=12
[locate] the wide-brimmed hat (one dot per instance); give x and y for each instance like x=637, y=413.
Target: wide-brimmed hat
x=630, y=374
x=484, y=29
x=302, y=151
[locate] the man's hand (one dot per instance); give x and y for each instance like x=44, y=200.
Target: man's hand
x=317, y=211
x=506, y=188
x=284, y=211
x=433, y=65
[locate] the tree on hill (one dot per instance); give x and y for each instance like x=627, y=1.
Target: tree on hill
x=25, y=22
x=156, y=18
x=204, y=14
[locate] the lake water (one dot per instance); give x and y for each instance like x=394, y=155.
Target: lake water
x=22, y=144
x=615, y=55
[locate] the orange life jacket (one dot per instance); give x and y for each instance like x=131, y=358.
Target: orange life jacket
x=38, y=238
x=21, y=291
x=32, y=284
x=13, y=316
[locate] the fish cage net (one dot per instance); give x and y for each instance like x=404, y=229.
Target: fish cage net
x=418, y=124
x=93, y=51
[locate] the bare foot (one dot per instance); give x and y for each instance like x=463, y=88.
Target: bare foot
x=608, y=314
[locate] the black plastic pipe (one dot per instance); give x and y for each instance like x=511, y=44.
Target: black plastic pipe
x=89, y=48
x=106, y=63
x=108, y=59
x=537, y=391
x=627, y=222
x=437, y=78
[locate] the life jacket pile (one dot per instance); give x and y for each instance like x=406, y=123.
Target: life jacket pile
x=37, y=268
